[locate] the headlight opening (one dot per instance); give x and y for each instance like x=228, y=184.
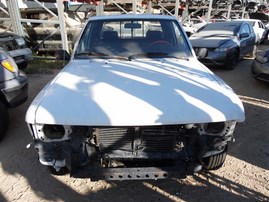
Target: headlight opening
x=217, y=128
x=54, y=131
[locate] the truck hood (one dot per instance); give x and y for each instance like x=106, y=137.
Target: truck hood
x=135, y=93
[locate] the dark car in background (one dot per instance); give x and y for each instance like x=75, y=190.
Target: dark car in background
x=17, y=48
x=13, y=89
x=260, y=66
x=224, y=43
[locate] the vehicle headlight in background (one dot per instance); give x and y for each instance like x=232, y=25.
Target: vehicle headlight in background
x=228, y=45
x=262, y=56
x=223, y=48
x=262, y=59
x=54, y=131
x=20, y=41
x=6, y=64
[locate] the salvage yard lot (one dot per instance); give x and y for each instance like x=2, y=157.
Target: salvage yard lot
x=244, y=176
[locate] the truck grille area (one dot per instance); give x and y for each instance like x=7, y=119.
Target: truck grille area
x=147, y=139
x=114, y=138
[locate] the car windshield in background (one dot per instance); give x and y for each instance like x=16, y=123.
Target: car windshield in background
x=218, y=29
x=132, y=39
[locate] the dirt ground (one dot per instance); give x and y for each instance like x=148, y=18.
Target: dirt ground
x=244, y=176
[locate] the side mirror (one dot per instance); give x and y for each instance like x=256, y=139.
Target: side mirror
x=62, y=55
x=244, y=35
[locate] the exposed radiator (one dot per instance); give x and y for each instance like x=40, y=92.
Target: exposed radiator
x=115, y=138
x=154, y=138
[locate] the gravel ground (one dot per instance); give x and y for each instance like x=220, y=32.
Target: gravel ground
x=243, y=177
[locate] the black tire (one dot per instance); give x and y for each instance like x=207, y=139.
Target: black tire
x=61, y=172
x=215, y=162
x=4, y=120
x=232, y=62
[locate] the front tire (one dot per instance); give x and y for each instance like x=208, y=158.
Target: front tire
x=216, y=161
x=232, y=62
x=61, y=172
x=4, y=120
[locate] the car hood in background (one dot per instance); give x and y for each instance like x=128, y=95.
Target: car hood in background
x=208, y=42
x=7, y=34
x=134, y=93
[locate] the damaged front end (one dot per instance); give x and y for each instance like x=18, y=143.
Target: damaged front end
x=129, y=153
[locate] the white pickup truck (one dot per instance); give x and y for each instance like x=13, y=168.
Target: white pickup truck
x=133, y=103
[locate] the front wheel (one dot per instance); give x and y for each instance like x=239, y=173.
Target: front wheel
x=60, y=172
x=232, y=62
x=4, y=120
x=216, y=161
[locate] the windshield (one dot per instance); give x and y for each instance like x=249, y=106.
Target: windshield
x=129, y=39
x=218, y=29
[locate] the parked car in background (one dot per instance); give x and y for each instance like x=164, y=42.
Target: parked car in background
x=189, y=29
x=17, y=48
x=133, y=103
x=260, y=29
x=260, y=66
x=262, y=16
x=224, y=43
x=13, y=89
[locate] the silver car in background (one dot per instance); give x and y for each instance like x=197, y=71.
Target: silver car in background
x=224, y=43
x=13, y=89
x=260, y=66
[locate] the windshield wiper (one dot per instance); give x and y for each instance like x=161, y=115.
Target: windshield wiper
x=90, y=53
x=101, y=55
x=155, y=55
x=147, y=55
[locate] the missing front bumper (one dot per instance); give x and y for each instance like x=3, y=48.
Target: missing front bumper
x=135, y=173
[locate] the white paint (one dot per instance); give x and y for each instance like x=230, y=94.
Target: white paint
x=138, y=92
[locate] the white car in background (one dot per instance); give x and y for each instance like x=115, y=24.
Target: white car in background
x=260, y=29
x=134, y=103
x=189, y=29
